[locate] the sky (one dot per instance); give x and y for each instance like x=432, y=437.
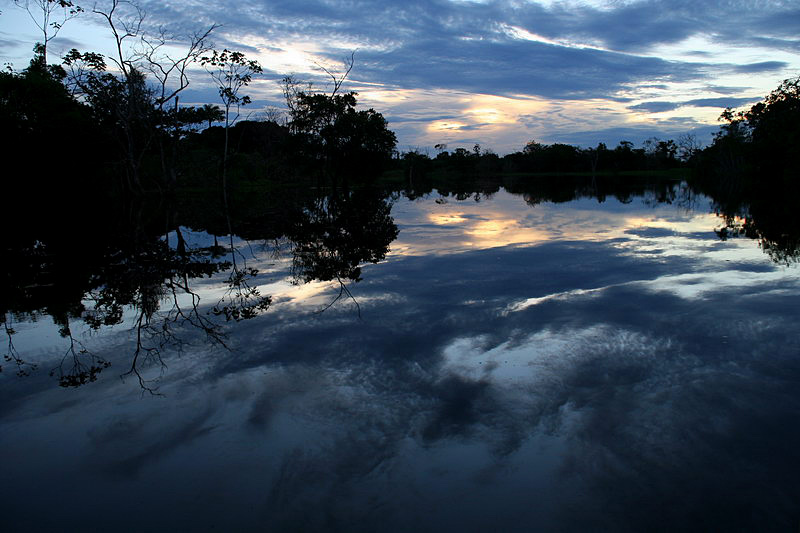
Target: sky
x=498, y=73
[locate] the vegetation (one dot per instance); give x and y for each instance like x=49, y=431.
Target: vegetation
x=553, y=159
x=759, y=145
x=753, y=173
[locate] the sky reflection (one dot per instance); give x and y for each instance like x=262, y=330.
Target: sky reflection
x=542, y=376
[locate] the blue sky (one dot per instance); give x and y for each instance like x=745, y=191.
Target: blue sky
x=495, y=72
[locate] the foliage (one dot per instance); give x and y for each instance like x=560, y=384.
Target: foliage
x=760, y=144
x=232, y=71
x=329, y=129
x=537, y=158
x=49, y=16
x=44, y=128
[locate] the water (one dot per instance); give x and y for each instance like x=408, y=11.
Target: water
x=510, y=363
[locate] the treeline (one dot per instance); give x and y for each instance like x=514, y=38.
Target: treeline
x=113, y=134
x=758, y=146
x=111, y=124
x=537, y=158
x=99, y=125
x=752, y=171
x=753, y=147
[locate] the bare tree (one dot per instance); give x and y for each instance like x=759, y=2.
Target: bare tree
x=168, y=69
x=338, y=76
x=273, y=114
x=170, y=72
x=688, y=146
x=293, y=88
x=144, y=108
x=125, y=19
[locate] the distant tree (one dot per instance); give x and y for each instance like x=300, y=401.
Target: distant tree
x=688, y=146
x=532, y=147
x=211, y=113
x=664, y=153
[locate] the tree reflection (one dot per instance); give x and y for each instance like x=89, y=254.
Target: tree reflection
x=141, y=270
x=777, y=234
x=338, y=233
x=145, y=277
x=764, y=211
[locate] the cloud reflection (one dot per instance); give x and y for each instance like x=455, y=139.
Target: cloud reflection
x=595, y=369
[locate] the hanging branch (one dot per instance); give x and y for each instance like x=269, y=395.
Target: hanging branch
x=12, y=356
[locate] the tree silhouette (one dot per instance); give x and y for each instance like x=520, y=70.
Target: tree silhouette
x=231, y=71
x=49, y=16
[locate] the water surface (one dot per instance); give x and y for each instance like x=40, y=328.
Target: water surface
x=508, y=362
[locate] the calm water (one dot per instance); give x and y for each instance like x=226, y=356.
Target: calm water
x=511, y=364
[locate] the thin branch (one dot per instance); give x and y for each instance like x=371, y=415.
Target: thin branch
x=337, y=79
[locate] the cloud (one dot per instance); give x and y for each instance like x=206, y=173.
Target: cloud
x=649, y=54
x=655, y=107
x=763, y=66
x=637, y=134
x=660, y=107
x=506, y=67
x=721, y=89
x=720, y=102
x=581, y=52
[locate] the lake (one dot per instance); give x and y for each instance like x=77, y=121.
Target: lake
x=500, y=357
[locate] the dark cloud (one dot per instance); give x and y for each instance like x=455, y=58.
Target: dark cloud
x=726, y=90
x=655, y=107
x=763, y=66
x=720, y=102
x=8, y=43
x=508, y=67
x=659, y=107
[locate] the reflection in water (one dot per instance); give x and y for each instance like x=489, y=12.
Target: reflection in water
x=329, y=237
x=594, y=365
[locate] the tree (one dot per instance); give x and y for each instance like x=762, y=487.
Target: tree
x=43, y=128
x=49, y=16
x=143, y=114
x=774, y=127
x=170, y=72
x=688, y=146
x=760, y=142
x=231, y=71
x=339, y=136
x=211, y=113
